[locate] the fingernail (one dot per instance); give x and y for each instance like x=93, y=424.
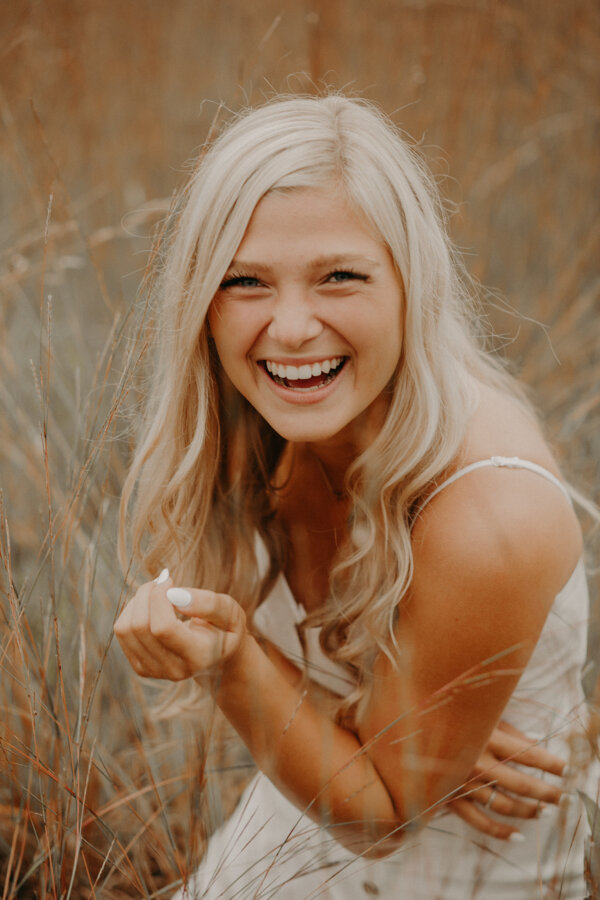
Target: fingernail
x=516, y=837
x=567, y=772
x=164, y=575
x=179, y=597
x=545, y=811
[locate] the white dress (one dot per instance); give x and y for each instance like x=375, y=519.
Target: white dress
x=268, y=848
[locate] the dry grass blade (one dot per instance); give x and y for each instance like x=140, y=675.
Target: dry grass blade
x=91, y=805
x=97, y=798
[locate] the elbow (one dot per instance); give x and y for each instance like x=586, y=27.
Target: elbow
x=381, y=850
x=388, y=843
x=373, y=840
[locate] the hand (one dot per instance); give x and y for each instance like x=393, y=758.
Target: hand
x=160, y=644
x=495, y=782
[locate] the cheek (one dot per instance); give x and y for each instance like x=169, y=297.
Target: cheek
x=232, y=344
x=214, y=317
x=382, y=342
x=224, y=330
x=234, y=326
x=221, y=347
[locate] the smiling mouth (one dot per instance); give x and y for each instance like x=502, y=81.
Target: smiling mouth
x=306, y=377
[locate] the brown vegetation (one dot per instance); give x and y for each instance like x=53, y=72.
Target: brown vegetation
x=101, y=101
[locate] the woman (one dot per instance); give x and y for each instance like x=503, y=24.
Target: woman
x=375, y=559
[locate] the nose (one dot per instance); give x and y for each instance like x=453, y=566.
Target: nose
x=294, y=320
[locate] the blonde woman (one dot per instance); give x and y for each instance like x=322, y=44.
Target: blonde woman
x=374, y=561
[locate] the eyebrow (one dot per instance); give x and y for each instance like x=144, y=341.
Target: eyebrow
x=320, y=262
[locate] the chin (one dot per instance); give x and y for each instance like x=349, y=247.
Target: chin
x=304, y=436
x=298, y=433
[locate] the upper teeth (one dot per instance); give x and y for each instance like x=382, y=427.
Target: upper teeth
x=293, y=373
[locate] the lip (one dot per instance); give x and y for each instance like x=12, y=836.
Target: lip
x=289, y=395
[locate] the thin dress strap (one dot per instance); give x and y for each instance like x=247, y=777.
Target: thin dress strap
x=504, y=462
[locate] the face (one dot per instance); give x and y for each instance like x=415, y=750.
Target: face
x=307, y=321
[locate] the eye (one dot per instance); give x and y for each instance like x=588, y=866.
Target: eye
x=244, y=281
x=341, y=275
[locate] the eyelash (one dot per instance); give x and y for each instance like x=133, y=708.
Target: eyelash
x=236, y=280
x=354, y=275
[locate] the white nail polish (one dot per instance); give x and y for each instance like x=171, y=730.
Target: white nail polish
x=164, y=575
x=517, y=838
x=546, y=811
x=567, y=772
x=179, y=597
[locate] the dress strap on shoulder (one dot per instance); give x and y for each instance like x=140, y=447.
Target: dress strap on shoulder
x=503, y=462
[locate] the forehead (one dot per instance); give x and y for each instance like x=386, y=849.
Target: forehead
x=319, y=219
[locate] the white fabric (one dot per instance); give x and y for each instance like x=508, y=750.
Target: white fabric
x=499, y=462
x=269, y=849
x=277, y=619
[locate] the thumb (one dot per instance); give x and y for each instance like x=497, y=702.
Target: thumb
x=219, y=610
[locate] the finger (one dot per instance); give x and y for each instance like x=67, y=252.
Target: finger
x=161, y=644
x=510, y=779
x=219, y=610
x=510, y=743
x=139, y=597
x=160, y=662
x=506, y=776
x=491, y=797
x=163, y=578
x=148, y=657
x=473, y=815
x=137, y=606
x=197, y=640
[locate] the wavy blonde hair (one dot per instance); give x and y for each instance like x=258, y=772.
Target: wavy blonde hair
x=199, y=490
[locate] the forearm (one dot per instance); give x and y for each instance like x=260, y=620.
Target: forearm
x=321, y=767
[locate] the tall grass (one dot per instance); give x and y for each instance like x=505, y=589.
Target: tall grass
x=97, y=798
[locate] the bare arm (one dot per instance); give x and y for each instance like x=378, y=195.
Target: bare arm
x=479, y=598
x=496, y=792
x=489, y=561
x=320, y=766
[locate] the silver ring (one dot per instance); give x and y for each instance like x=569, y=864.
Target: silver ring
x=490, y=799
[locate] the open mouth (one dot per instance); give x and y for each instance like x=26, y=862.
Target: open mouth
x=307, y=377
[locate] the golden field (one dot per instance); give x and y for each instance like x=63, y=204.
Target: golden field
x=103, y=104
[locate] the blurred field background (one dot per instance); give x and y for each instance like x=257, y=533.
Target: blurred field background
x=102, y=103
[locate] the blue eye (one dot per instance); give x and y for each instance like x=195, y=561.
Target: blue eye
x=245, y=281
x=341, y=275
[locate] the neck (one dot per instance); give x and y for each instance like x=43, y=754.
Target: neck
x=332, y=457
x=337, y=453
x=333, y=464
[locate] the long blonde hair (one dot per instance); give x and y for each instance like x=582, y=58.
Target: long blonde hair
x=202, y=473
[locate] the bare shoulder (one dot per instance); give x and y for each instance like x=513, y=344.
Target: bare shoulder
x=495, y=523
x=509, y=533
x=490, y=552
